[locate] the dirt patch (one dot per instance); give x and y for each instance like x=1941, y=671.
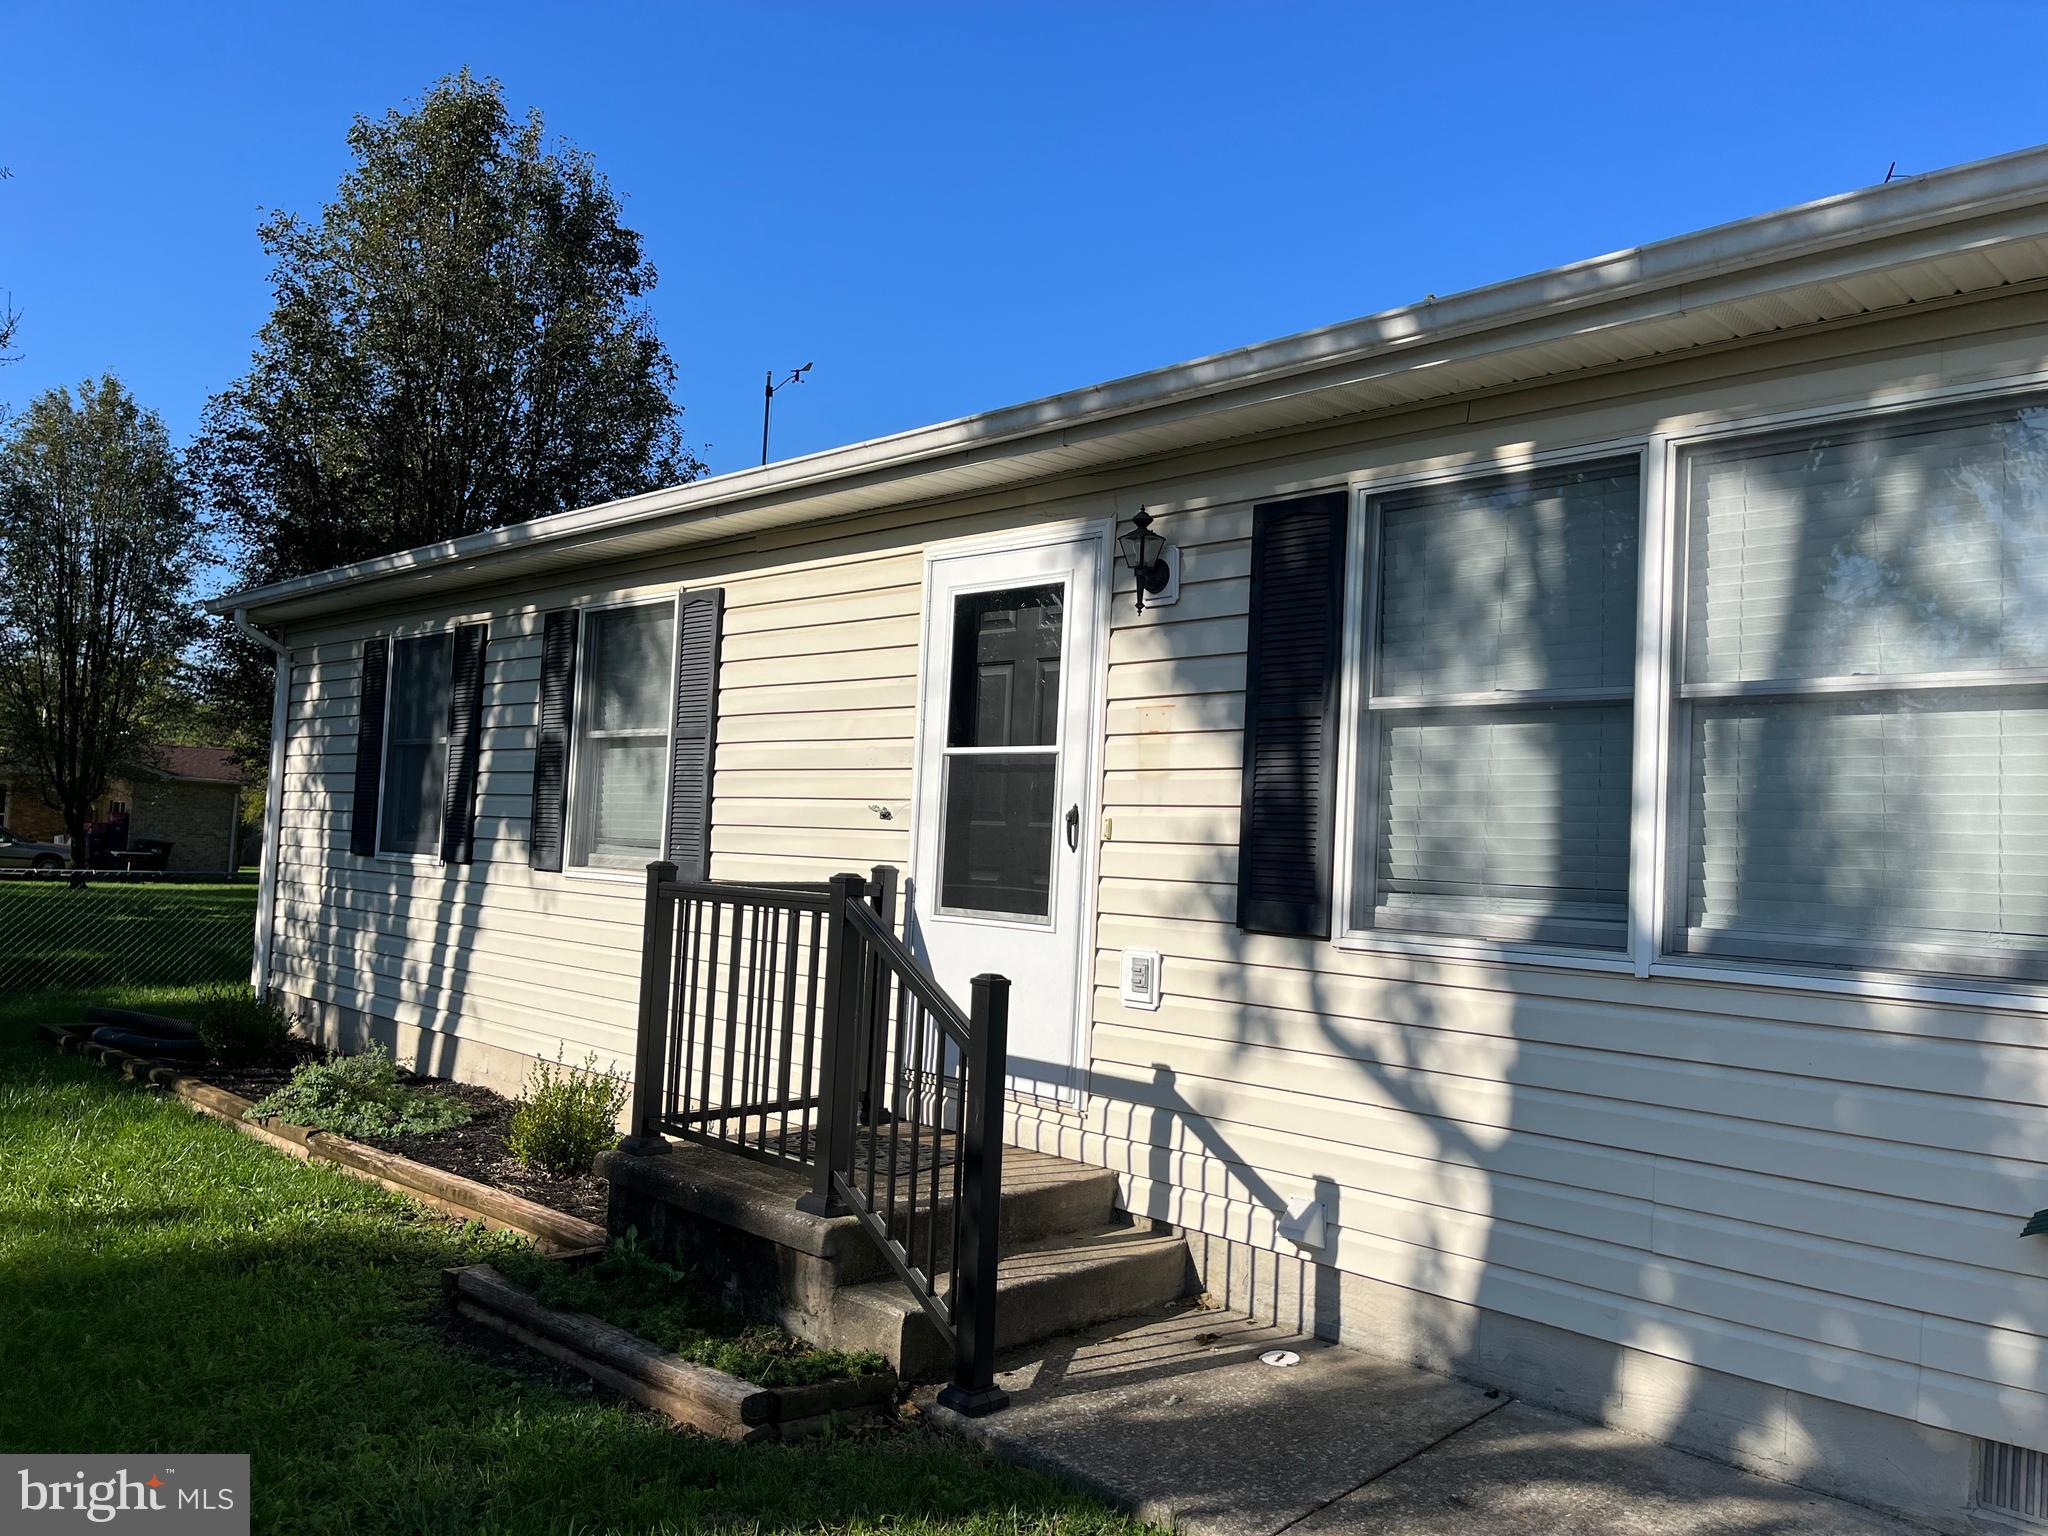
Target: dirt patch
x=478, y=1150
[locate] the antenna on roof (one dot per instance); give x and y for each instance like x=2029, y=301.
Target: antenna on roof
x=769, y=386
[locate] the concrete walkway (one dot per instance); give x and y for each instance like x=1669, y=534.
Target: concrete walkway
x=1178, y=1420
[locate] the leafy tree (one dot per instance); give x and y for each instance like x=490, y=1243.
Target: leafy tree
x=458, y=342
x=98, y=542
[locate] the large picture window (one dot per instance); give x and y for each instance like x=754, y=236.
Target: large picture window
x=1861, y=770
x=1495, y=744
x=416, y=744
x=623, y=707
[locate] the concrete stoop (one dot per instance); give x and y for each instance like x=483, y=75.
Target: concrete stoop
x=1051, y=1287
x=1069, y=1258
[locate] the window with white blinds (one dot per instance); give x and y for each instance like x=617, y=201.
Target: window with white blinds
x=1498, y=718
x=1864, y=651
x=620, y=774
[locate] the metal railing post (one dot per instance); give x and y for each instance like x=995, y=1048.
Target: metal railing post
x=657, y=947
x=839, y=1070
x=882, y=892
x=973, y=1391
x=881, y=897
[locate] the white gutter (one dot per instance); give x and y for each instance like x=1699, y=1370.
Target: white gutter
x=273, y=796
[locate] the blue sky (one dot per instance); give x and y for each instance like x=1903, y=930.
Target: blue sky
x=959, y=207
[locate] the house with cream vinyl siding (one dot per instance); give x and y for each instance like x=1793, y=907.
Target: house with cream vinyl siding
x=1556, y=889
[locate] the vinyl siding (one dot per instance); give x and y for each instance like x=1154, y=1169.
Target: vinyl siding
x=1815, y=1190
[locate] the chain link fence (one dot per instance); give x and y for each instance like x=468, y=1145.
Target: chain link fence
x=65, y=930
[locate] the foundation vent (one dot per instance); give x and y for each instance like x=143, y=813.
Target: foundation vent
x=2014, y=1481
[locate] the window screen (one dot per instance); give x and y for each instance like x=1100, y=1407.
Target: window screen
x=622, y=718
x=1866, y=614
x=416, y=744
x=1498, y=720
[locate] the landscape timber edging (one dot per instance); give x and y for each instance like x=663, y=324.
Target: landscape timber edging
x=451, y=1192
x=698, y=1396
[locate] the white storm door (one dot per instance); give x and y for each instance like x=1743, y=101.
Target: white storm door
x=1006, y=775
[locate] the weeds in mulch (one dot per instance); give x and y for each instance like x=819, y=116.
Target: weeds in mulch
x=360, y=1096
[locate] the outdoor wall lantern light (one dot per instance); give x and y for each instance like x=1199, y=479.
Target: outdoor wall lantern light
x=1154, y=566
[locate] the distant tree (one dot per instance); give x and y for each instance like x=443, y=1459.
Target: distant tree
x=98, y=543
x=10, y=317
x=458, y=342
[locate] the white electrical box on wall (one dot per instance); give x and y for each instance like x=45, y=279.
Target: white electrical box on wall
x=1141, y=978
x=1169, y=594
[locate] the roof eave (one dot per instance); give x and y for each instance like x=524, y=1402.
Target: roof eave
x=1641, y=283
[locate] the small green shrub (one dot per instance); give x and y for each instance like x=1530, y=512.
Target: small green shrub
x=566, y=1116
x=360, y=1096
x=237, y=1027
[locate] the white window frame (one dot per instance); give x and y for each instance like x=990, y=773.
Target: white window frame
x=1916, y=962
x=1367, y=515
x=1356, y=752
x=573, y=864
x=1656, y=790
x=392, y=640
x=948, y=753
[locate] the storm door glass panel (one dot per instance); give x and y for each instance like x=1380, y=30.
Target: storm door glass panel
x=416, y=744
x=622, y=735
x=1002, y=752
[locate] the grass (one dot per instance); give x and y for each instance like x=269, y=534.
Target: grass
x=54, y=935
x=169, y=1285
x=631, y=1288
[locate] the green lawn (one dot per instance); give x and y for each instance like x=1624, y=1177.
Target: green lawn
x=56, y=935
x=169, y=1285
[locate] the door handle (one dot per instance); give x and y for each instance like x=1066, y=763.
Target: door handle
x=1073, y=829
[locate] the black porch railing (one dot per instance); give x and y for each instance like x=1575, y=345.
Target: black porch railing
x=789, y=1023
x=740, y=1001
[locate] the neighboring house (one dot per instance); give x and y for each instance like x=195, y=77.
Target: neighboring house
x=1586, y=794
x=189, y=797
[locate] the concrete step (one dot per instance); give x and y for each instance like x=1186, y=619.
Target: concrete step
x=1043, y=1197
x=1043, y=1288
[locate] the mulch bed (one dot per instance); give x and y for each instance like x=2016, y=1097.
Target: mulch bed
x=477, y=1150
x=260, y=1081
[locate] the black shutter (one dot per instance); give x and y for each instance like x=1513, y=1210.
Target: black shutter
x=465, y=744
x=362, y=817
x=1290, y=739
x=696, y=732
x=551, y=745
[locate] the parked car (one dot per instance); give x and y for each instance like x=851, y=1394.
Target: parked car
x=22, y=853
